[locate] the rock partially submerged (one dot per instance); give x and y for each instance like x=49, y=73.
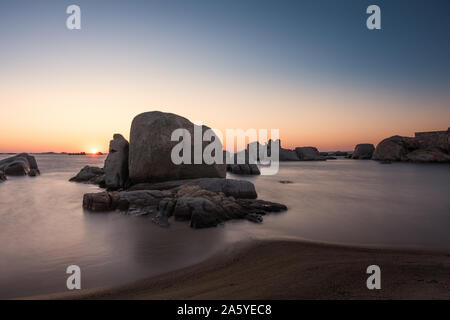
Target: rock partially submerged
x=424, y=147
x=116, y=163
x=309, y=154
x=20, y=165
x=363, y=151
x=2, y=176
x=92, y=175
x=188, y=202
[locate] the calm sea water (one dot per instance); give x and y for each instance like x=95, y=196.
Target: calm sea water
x=43, y=228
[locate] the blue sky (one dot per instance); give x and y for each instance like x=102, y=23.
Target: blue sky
x=282, y=47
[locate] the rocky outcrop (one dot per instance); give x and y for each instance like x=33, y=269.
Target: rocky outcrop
x=188, y=202
x=428, y=155
x=151, y=148
x=308, y=154
x=395, y=148
x=288, y=155
x=20, y=165
x=2, y=176
x=424, y=147
x=116, y=164
x=363, y=151
x=92, y=175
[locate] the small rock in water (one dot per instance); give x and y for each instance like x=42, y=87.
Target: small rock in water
x=2, y=176
x=253, y=217
x=88, y=174
x=19, y=165
x=161, y=219
x=285, y=181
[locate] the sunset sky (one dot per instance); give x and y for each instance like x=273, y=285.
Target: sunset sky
x=309, y=68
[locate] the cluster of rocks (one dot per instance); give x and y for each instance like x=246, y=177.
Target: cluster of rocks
x=204, y=202
x=298, y=154
x=19, y=165
x=141, y=179
x=423, y=147
x=431, y=146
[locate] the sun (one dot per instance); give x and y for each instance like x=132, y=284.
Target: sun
x=94, y=151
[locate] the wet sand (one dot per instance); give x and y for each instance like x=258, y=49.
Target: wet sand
x=291, y=269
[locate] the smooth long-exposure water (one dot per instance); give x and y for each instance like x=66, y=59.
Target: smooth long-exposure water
x=43, y=228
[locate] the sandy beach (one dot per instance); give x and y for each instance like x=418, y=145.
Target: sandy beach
x=291, y=269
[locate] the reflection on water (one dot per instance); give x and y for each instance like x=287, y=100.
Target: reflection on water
x=43, y=228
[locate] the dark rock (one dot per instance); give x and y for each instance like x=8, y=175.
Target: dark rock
x=285, y=181
x=288, y=155
x=88, y=174
x=204, y=208
x=230, y=187
x=245, y=169
x=330, y=158
x=434, y=140
x=151, y=148
x=308, y=154
x=395, y=148
x=19, y=165
x=428, y=155
x=424, y=147
x=253, y=217
x=340, y=154
x=363, y=151
x=2, y=176
x=116, y=164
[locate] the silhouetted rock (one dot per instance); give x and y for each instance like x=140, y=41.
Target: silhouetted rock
x=151, y=148
x=20, y=165
x=288, y=155
x=308, y=154
x=424, y=147
x=116, y=163
x=2, y=176
x=428, y=155
x=363, y=151
x=395, y=148
x=88, y=174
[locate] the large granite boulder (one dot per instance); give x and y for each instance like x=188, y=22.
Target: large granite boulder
x=2, y=176
x=188, y=202
x=151, y=148
x=92, y=175
x=20, y=165
x=395, y=148
x=116, y=163
x=363, y=151
x=308, y=154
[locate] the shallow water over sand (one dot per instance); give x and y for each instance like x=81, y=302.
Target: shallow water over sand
x=43, y=228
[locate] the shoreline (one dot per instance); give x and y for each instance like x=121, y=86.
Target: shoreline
x=291, y=269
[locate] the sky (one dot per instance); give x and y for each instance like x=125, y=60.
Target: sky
x=310, y=68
